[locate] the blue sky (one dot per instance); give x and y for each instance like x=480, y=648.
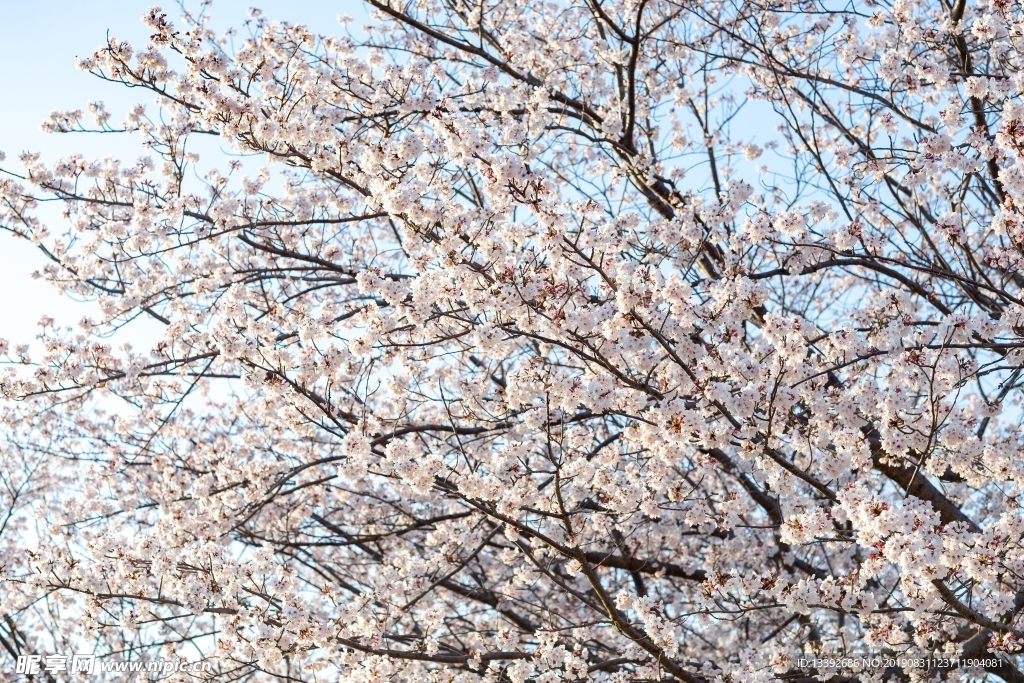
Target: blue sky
x=40, y=41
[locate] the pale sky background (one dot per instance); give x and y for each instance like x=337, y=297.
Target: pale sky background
x=40, y=41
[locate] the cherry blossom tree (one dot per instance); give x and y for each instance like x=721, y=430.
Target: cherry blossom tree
x=609, y=340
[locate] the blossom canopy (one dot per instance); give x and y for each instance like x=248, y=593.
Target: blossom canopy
x=608, y=340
